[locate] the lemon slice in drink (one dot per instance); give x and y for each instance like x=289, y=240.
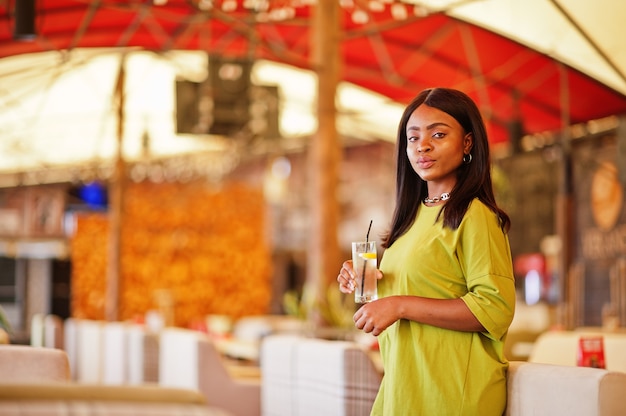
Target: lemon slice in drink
x=368, y=256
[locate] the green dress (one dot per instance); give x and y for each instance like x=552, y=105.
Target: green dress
x=435, y=371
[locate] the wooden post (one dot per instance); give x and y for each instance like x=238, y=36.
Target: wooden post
x=116, y=194
x=565, y=216
x=324, y=154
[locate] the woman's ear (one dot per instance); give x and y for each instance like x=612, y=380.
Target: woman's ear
x=468, y=142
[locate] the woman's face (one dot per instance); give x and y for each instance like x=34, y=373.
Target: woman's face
x=436, y=144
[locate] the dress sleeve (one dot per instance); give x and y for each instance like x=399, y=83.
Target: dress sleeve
x=485, y=257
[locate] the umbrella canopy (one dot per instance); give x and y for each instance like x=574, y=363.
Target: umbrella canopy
x=533, y=65
x=70, y=102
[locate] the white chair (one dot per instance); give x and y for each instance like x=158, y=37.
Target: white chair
x=36, y=330
x=311, y=376
x=548, y=390
x=89, y=351
x=561, y=348
x=114, y=353
x=278, y=366
x=188, y=359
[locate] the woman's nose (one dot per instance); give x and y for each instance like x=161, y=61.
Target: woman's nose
x=423, y=145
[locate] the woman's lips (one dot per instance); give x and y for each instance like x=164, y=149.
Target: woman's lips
x=425, y=162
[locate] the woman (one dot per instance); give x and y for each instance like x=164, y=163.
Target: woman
x=447, y=292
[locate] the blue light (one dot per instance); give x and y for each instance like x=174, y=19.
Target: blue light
x=93, y=193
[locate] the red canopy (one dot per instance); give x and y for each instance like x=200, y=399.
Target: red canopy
x=388, y=51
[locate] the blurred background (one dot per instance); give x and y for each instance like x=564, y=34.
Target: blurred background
x=196, y=158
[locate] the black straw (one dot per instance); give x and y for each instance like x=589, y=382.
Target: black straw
x=367, y=239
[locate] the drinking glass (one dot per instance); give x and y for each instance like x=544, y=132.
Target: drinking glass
x=365, y=263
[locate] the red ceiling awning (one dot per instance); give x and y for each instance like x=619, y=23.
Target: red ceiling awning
x=394, y=56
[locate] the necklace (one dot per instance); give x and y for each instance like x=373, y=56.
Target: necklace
x=444, y=196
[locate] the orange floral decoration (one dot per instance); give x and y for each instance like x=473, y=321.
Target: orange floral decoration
x=188, y=250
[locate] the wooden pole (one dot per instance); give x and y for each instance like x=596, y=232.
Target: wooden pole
x=564, y=215
x=324, y=258
x=116, y=194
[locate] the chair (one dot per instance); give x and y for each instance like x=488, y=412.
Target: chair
x=53, y=336
x=312, y=376
x=114, y=353
x=89, y=349
x=70, y=344
x=529, y=322
x=46, y=331
x=278, y=371
x=143, y=355
x=27, y=364
x=188, y=359
x=546, y=390
x=36, y=330
x=561, y=347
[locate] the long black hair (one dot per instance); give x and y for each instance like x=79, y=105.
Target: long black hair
x=473, y=179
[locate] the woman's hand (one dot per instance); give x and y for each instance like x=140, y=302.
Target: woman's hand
x=376, y=316
x=346, y=277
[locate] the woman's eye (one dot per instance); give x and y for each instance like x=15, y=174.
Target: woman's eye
x=439, y=135
x=412, y=138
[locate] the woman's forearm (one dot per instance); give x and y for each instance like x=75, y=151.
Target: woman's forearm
x=444, y=313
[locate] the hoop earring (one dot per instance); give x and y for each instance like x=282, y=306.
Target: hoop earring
x=467, y=159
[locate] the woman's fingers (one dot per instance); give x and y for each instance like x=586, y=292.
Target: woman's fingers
x=345, y=277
